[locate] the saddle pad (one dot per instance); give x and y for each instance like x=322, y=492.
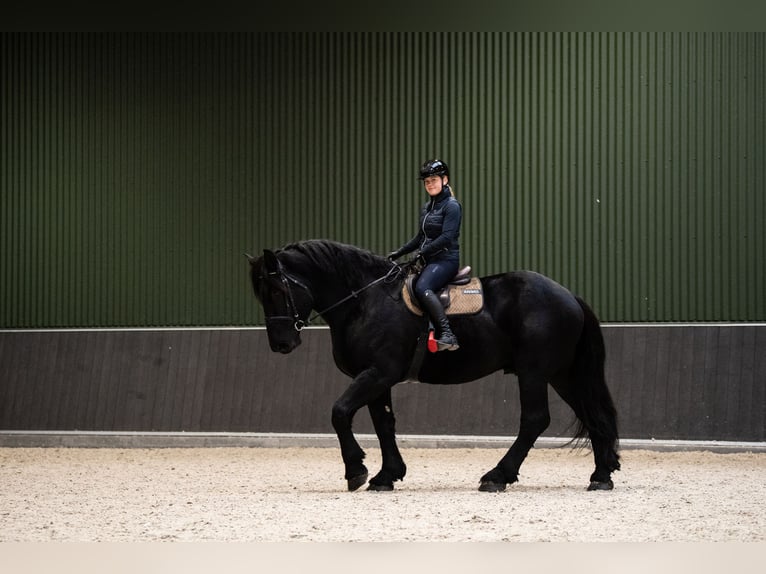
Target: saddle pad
x=465, y=299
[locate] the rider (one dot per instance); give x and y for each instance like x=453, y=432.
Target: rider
x=437, y=244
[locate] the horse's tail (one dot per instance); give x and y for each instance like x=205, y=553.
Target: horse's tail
x=597, y=414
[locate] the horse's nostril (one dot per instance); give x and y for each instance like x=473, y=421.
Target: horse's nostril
x=284, y=348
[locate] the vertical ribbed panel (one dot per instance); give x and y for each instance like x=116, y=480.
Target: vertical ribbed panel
x=136, y=168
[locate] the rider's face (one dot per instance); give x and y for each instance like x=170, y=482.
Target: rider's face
x=434, y=184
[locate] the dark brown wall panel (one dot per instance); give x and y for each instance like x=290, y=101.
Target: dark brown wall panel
x=669, y=382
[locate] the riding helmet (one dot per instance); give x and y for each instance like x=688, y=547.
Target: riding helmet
x=433, y=167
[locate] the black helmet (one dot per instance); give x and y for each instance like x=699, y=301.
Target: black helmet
x=433, y=167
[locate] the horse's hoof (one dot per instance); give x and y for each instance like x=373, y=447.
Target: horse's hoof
x=380, y=487
x=492, y=487
x=357, y=481
x=596, y=485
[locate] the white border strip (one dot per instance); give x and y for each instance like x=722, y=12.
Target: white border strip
x=325, y=327
x=628, y=325
x=136, y=329
x=101, y=439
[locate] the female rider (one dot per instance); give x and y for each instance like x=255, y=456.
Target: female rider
x=437, y=244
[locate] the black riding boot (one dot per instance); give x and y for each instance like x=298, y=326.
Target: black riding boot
x=445, y=339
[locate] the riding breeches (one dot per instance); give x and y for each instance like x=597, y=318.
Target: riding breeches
x=435, y=276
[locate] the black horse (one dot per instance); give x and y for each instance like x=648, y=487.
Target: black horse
x=530, y=326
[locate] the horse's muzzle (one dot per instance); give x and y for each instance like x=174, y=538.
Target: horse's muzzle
x=284, y=345
x=284, y=336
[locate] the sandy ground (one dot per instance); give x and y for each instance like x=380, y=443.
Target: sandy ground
x=289, y=494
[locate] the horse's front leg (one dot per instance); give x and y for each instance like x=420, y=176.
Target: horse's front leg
x=393, y=467
x=366, y=387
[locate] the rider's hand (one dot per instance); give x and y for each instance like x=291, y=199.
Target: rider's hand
x=393, y=256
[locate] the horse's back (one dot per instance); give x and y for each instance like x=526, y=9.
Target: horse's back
x=530, y=293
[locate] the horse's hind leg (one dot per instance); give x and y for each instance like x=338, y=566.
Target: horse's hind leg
x=393, y=467
x=602, y=435
x=535, y=418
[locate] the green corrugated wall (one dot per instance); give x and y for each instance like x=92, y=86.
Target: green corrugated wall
x=136, y=168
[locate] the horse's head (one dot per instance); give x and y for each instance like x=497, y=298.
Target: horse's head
x=286, y=300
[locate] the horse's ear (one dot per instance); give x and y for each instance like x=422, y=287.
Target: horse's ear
x=270, y=261
x=250, y=258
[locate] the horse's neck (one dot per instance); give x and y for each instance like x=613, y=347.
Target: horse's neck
x=331, y=285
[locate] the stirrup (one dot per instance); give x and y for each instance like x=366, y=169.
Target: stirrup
x=447, y=346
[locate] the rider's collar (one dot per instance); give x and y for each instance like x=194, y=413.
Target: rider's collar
x=445, y=193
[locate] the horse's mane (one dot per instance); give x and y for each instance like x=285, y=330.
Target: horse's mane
x=350, y=263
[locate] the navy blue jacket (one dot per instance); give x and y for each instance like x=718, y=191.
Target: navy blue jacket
x=439, y=231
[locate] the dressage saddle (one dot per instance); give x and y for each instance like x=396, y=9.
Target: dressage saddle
x=462, y=277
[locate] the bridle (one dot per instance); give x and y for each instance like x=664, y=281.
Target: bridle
x=285, y=279
x=298, y=323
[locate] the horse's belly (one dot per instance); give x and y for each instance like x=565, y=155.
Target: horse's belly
x=454, y=368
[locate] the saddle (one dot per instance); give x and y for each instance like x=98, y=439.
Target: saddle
x=463, y=294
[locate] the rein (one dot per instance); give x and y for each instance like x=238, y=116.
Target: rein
x=299, y=324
